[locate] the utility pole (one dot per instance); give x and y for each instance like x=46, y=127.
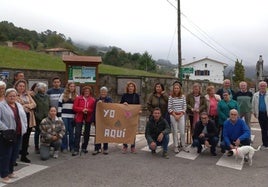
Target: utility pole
x=179, y=42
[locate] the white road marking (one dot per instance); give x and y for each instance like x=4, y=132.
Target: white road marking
x=26, y=171
x=192, y=155
x=159, y=148
x=230, y=162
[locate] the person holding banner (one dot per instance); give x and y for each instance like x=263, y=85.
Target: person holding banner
x=106, y=99
x=83, y=108
x=157, y=132
x=130, y=97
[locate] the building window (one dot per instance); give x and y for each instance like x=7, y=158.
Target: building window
x=202, y=73
x=206, y=65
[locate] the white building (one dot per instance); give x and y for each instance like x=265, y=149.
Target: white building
x=205, y=69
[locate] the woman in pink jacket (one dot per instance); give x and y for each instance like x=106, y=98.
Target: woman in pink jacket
x=83, y=107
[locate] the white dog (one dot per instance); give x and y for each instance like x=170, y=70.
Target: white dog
x=242, y=152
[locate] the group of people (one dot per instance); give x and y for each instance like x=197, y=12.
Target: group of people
x=217, y=116
x=60, y=116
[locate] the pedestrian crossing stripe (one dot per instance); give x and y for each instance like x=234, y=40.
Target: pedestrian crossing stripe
x=230, y=162
x=192, y=155
x=27, y=171
x=159, y=148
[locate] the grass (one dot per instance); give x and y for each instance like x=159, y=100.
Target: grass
x=21, y=59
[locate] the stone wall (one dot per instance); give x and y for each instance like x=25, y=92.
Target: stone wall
x=113, y=83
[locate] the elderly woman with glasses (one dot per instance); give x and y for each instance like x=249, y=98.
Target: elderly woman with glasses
x=224, y=107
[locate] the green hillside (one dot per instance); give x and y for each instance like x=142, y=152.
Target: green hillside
x=16, y=58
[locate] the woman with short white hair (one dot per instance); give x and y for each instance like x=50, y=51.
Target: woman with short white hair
x=106, y=99
x=13, y=122
x=42, y=107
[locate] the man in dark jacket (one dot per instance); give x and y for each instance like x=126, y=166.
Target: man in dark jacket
x=205, y=133
x=157, y=132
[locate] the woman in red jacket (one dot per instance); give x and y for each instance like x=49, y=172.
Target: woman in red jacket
x=83, y=108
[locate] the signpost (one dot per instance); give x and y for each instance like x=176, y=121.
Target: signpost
x=186, y=70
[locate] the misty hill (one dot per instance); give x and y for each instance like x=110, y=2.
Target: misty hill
x=250, y=71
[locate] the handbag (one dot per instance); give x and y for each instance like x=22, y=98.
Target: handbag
x=9, y=136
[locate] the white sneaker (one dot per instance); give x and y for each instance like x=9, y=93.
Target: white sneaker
x=56, y=154
x=263, y=147
x=176, y=150
x=185, y=149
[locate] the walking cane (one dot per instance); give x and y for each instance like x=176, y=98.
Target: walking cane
x=83, y=132
x=189, y=134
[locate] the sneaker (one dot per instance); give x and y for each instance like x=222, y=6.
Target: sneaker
x=6, y=180
x=165, y=155
x=263, y=147
x=95, y=152
x=105, y=152
x=153, y=152
x=176, y=150
x=133, y=150
x=25, y=159
x=56, y=154
x=185, y=149
x=75, y=153
x=124, y=150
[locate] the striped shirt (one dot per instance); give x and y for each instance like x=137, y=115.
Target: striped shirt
x=176, y=104
x=65, y=109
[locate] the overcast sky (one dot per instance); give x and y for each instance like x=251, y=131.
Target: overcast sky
x=239, y=27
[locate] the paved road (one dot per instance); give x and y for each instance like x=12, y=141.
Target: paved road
x=142, y=169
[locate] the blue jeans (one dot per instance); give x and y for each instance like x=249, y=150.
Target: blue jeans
x=8, y=155
x=197, y=142
x=163, y=143
x=45, y=149
x=69, y=127
x=225, y=147
x=77, y=137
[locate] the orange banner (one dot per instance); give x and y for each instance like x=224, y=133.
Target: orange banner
x=116, y=123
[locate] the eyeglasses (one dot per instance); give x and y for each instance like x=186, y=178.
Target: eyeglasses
x=204, y=118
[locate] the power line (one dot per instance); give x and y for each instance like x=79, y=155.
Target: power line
x=206, y=36
x=209, y=37
x=207, y=44
x=171, y=44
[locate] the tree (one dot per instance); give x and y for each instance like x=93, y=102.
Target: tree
x=146, y=62
x=239, y=72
